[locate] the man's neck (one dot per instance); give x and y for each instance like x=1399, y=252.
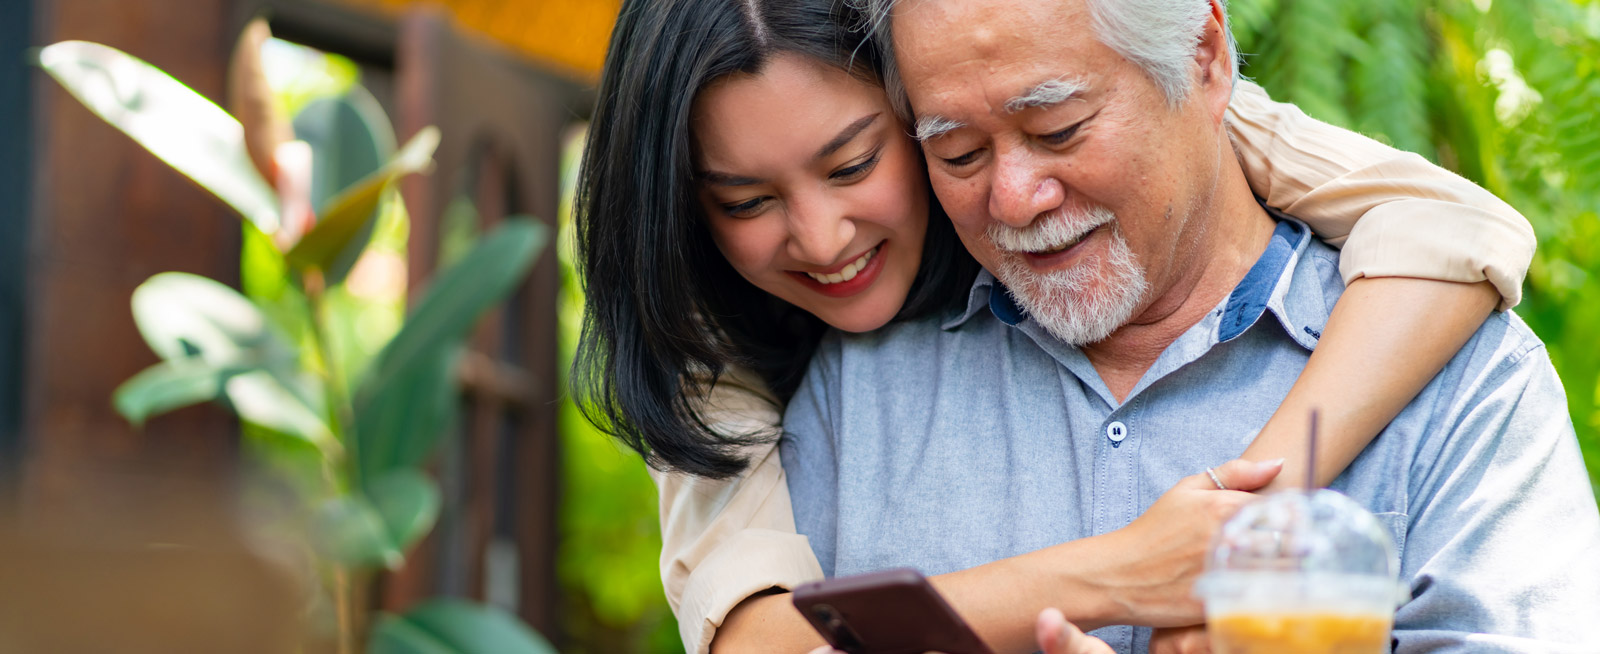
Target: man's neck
x=1227, y=244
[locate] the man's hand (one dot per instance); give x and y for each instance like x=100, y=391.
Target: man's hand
x=1057, y=636
x=1163, y=551
x=1180, y=640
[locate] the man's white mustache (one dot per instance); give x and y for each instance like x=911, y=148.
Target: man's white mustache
x=1061, y=228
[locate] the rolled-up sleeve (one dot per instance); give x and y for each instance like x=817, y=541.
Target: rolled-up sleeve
x=725, y=540
x=1393, y=213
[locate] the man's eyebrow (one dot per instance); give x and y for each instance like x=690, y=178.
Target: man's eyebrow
x=932, y=127
x=1046, y=93
x=715, y=178
x=846, y=135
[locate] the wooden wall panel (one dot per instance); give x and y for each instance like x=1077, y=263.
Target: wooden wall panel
x=107, y=215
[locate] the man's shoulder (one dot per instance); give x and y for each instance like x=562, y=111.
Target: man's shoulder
x=1503, y=342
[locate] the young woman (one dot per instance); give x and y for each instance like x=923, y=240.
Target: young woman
x=725, y=197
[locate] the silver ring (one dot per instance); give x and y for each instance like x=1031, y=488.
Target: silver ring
x=1213, y=475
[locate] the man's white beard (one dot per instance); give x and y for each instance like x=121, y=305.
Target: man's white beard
x=1078, y=305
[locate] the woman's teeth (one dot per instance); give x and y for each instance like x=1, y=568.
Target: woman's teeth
x=849, y=272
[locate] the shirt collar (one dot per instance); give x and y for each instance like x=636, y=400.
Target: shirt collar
x=982, y=296
x=1267, y=283
x=1265, y=287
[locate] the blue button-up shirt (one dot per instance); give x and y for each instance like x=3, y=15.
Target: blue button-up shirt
x=947, y=444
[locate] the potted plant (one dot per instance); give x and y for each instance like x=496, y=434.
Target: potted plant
x=352, y=434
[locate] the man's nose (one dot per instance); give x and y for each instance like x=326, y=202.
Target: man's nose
x=819, y=230
x=1022, y=188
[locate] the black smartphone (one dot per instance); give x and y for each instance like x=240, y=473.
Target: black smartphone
x=889, y=612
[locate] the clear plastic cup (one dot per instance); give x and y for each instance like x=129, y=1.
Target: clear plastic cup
x=1307, y=573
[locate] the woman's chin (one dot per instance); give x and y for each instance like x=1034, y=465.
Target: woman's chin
x=861, y=319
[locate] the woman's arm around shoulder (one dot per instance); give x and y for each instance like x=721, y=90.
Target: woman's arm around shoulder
x=1426, y=255
x=725, y=540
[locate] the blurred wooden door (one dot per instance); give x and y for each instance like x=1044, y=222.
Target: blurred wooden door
x=503, y=121
x=504, y=124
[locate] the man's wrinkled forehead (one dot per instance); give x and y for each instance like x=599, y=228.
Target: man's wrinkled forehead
x=980, y=39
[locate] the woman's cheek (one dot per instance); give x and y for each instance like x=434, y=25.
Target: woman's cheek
x=751, y=245
x=897, y=200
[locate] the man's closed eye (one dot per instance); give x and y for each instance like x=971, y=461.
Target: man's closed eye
x=963, y=160
x=1054, y=139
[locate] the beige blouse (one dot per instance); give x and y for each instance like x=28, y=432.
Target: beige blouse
x=725, y=540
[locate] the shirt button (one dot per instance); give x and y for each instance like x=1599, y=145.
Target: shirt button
x=1116, y=431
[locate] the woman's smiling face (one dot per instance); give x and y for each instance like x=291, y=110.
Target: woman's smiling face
x=813, y=190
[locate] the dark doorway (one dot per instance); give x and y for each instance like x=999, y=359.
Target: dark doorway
x=15, y=114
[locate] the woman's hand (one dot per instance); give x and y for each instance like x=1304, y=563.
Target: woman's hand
x=1160, y=553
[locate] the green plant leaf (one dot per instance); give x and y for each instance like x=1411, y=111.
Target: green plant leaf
x=349, y=530
x=348, y=212
x=458, y=296
x=265, y=279
x=172, y=121
x=451, y=626
x=191, y=321
x=404, y=416
x=182, y=315
x=167, y=386
x=408, y=397
x=350, y=139
x=408, y=501
x=283, y=402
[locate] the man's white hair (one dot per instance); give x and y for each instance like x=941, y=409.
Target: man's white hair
x=1160, y=36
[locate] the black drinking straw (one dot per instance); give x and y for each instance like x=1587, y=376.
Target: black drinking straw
x=1311, y=458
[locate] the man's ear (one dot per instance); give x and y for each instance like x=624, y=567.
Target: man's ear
x=1214, y=57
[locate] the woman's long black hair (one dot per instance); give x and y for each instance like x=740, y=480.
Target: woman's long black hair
x=665, y=313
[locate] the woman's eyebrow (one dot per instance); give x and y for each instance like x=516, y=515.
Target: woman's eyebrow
x=715, y=178
x=845, y=135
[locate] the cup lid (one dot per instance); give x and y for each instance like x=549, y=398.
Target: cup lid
x=1318, y=533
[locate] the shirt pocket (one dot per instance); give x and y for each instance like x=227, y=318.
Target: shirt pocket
x=1397, y=523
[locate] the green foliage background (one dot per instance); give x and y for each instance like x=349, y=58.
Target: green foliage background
x=610, y=532
x=1504, y=92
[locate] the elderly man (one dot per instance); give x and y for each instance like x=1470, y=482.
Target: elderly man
x=1143, y=316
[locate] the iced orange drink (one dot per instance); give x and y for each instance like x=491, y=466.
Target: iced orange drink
x=1301, y=573
x=1300, y=632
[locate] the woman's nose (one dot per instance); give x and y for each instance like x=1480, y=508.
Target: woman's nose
x=819, y=231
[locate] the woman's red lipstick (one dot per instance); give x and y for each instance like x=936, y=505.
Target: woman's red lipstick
x=857, y=284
